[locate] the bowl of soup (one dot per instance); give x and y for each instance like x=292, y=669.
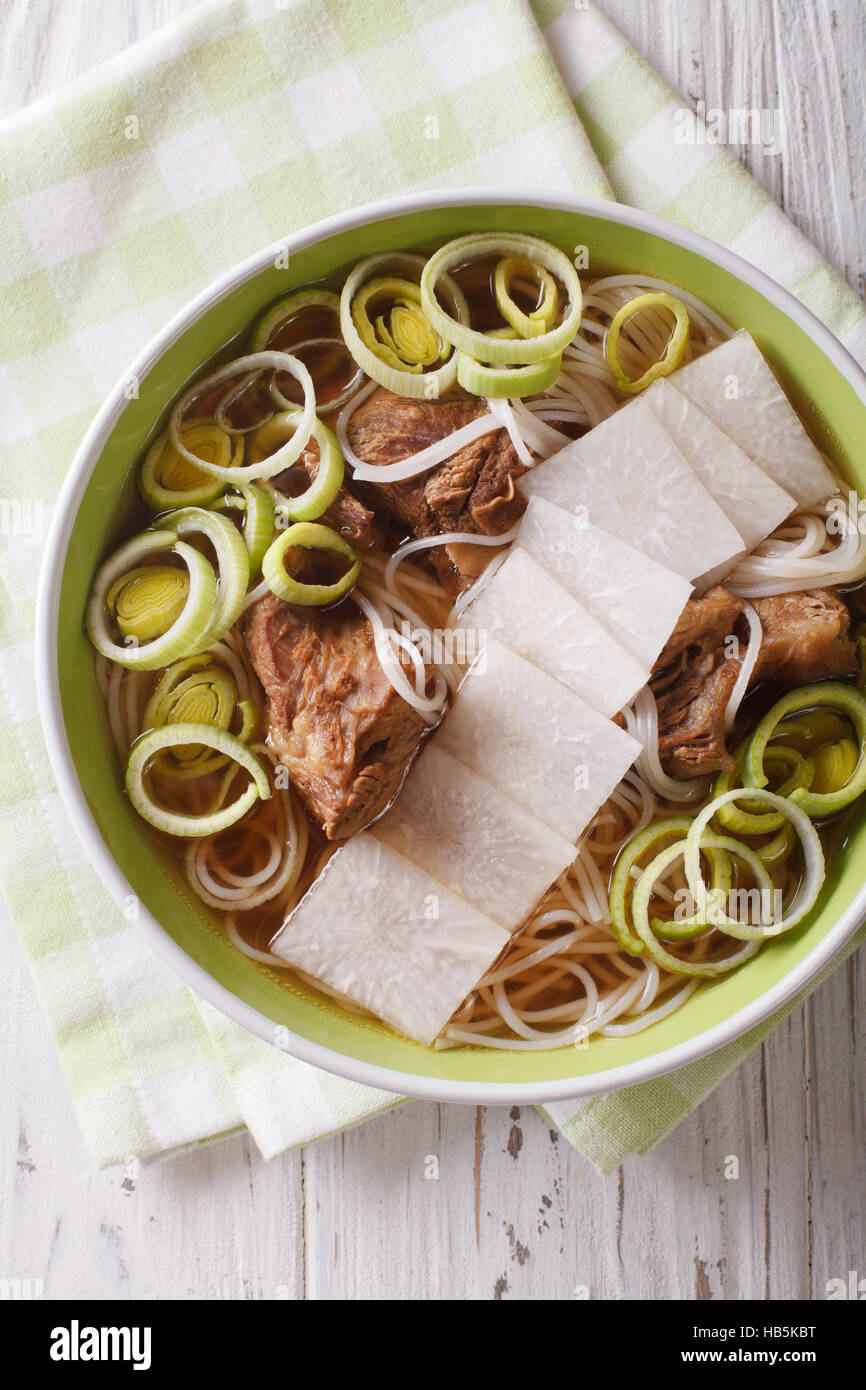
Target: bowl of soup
x=450, y=634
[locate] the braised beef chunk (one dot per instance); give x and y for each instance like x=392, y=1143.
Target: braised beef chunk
x=346, y=514
x=472, y=491
x=806, y=637
x=334, y=720
x=353, y=520
x=692, y=683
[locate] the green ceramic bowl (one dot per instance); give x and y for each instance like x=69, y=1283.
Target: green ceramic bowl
x=826, y=386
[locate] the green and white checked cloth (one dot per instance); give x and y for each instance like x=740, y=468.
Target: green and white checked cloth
x=120, y=197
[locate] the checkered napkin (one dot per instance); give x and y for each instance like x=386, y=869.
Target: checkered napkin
x=123, y=195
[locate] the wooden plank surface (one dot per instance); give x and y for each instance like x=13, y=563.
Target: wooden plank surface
x=439, y=1202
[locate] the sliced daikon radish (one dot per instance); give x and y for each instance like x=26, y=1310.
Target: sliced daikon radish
x=633, y=596
x=748, y=496
x=736, y=388
x=533, y=614
x=456, y=826
x=628, y=477
x=536, y=740
x=380, y=931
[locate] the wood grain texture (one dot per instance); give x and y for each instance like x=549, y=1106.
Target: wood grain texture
x=439, y=1202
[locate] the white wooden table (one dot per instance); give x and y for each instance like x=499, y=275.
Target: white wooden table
x=514, y=1213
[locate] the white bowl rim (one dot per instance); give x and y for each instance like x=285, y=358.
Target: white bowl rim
x=48, y=686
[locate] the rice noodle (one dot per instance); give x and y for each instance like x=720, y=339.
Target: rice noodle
x=642, y=722
x=385, y=636
x=463, y=600
x=502, y=411
x=702, y=316
x=446, y=538
x=542, y=438
x=415, y=464
x=584, y=962
x=747, y=666
x=217, y=883
x=802, y=554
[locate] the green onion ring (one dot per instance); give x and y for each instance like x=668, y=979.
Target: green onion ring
x=259, y=509
x=707, y=969
x=147, y=600
x=309, y=536
x=203, y=487
x=621, y=879
x=196, y=691
x=323, y=489
x=382, y=340
x=170, y=736
x=479, y=345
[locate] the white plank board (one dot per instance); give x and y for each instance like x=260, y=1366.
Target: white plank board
x=530, y=611
x=628, y=477
x=536, y=740
x=736, y=388
x=480, y=844
x=381, y=931
x=634, y=597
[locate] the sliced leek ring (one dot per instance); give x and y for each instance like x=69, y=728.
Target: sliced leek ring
x=410, y=342
x=186, y=633
x=402, y=379
x=259, y=508
x=834, y=765
x=704, y=969
x=674, y=352
x=273, y=318
x=173, y=736
x=622, y=880
x=167, y=479
x=711, y=912
x=539, y=320
x=502, y=351
x=832, y=695
x=323, y=490
x=309, y=536
x=504, y=382
x=813, y=857
x=197, y=690
x=232, y=557
x=147, y=600
x=247, y=366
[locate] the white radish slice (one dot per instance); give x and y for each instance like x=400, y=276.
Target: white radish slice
x=380, y=931
x=535, y=740
x=636, y=598
x=748, y=496
x=530, y=611
x=737, y=389
x=458, y=827
x=628, y=477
